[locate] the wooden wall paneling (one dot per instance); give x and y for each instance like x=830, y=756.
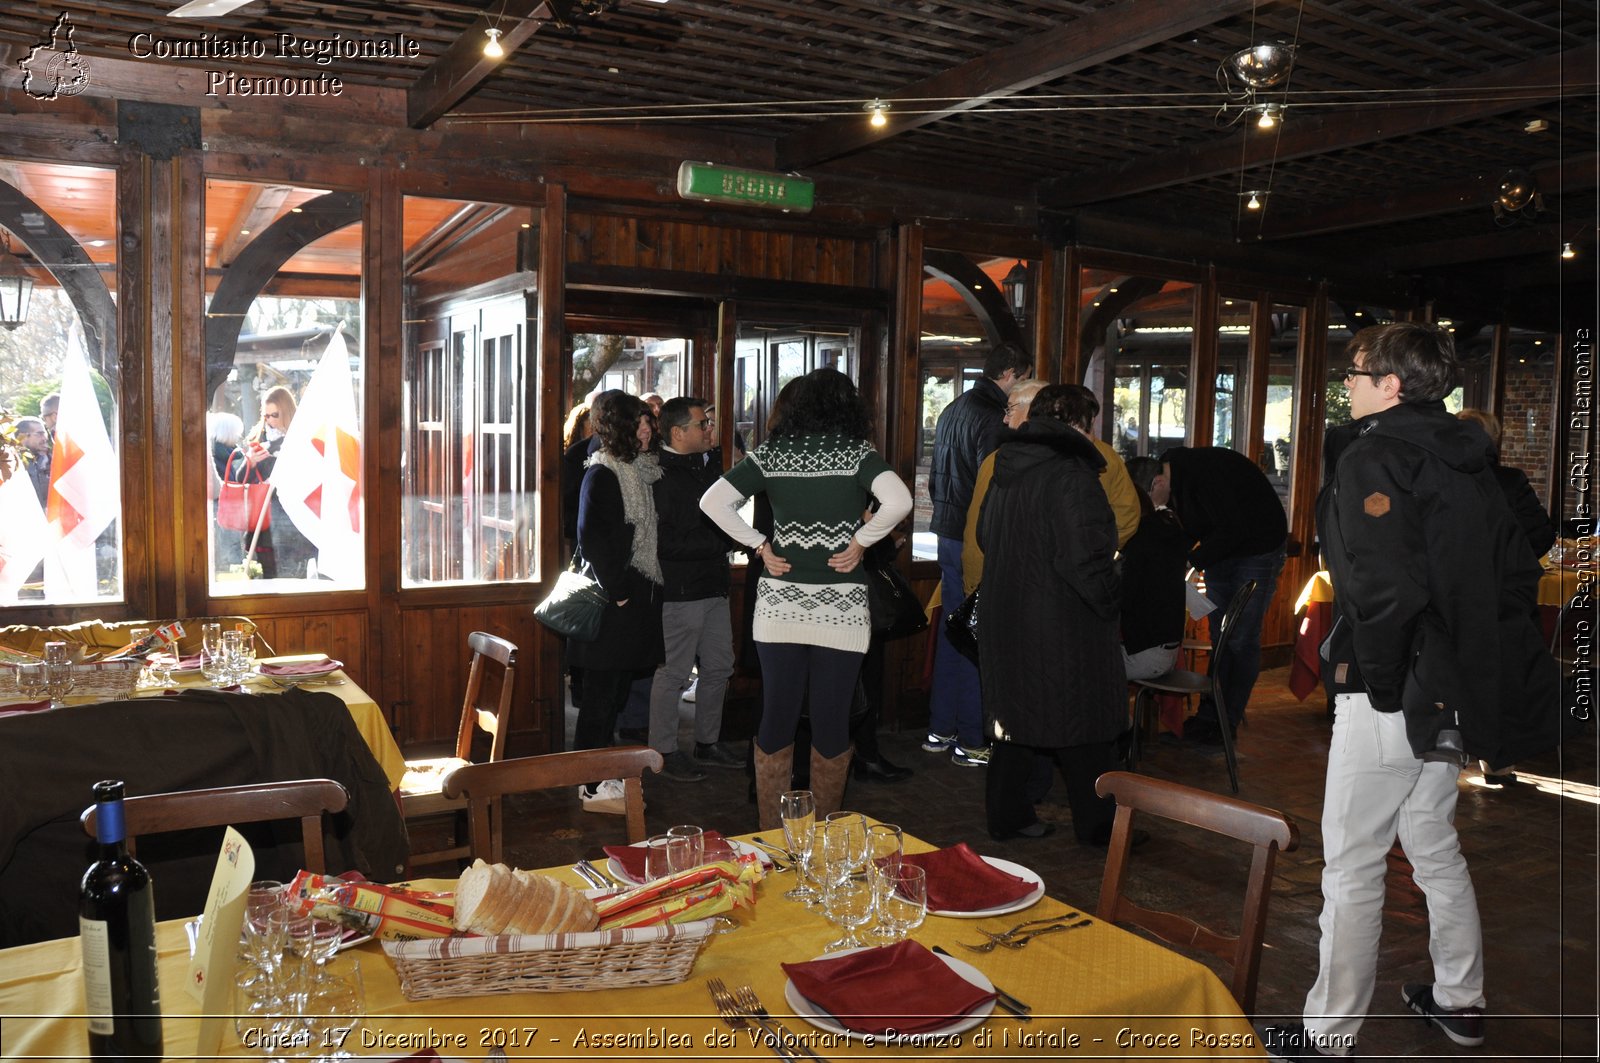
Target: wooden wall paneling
x=342, y=635
x=543, y=653
x=780, y=256
x=580, y=239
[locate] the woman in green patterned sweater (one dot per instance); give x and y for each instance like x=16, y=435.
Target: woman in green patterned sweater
x=811, y=620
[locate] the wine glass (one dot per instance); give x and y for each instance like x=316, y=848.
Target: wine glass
x=849, y=903
x=33, y=679
x=58, y=681
x=233, y=665
x=798, y=810
x=885, y=843
x=657, y=857
x=905, y=906
x=213, y=665
x=334, y=1007
x=854, y=828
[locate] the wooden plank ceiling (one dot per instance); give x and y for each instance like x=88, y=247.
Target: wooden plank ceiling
x=1400, y=119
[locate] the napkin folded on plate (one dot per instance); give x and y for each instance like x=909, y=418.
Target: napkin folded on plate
x=189, y=663
x=20, y=707
x=631, y=857
x=903, y=987
x=959, y=880
x=303, y=668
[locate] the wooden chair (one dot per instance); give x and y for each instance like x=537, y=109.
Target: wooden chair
x=420, y=795
x=1269, y=831
x=305, y=799
x=480, y=785
x=1180, y=681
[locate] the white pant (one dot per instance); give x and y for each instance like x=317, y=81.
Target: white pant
x=1378, y=788
x=1150, y=662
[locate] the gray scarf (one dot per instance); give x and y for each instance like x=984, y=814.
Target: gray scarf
x=638, y=505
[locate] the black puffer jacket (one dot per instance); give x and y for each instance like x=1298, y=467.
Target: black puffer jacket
x=968, y=429
x=1047, y=634
x=1434, y=586
x=693, y=551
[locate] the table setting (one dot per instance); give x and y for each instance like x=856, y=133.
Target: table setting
x=893, y=954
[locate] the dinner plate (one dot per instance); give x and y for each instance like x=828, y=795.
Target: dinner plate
x=323, y=671
x=1027, y=900
x=615, y=869
x=819, y=1018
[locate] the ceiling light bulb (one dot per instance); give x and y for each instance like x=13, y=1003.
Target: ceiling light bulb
x=1568, y=251
x=492, y=49
x=1269, y=116
x=879, y=119
x=1254, y=202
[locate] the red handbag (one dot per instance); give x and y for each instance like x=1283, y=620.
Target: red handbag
x=242, y=502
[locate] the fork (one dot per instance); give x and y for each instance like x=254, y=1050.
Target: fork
x=734, y=1016
x=997, y=940
x=746, y=996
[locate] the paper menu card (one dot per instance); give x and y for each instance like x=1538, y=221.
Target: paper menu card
x=216, y=953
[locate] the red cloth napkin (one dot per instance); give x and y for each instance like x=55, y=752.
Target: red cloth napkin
x=959, y=880
x=191, y=663
x=24, y=706
x=903, y=987
x=304, y=668
x=1305, y=672
x=631, y=857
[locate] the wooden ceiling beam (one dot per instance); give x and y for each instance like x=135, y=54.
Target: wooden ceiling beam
x=1409, y=202
x=1527, y=239
x=463, y=66
x=1498, y=92
x=1084, y=42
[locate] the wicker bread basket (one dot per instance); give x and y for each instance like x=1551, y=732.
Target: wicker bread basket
x=547, y=963
x=106, y=680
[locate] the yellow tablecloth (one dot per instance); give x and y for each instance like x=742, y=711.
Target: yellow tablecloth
x=1097, y=992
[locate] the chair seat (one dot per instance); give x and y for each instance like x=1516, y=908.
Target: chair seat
x=1177, y=681
x=423, y=777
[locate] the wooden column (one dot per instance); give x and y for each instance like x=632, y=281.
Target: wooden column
x=1203, y=361
x=549, y=696
x=1495, y=390
x=1069, y=368
x=1255, y=409
x=722, y=377
x=390, y=676
x=905, y=352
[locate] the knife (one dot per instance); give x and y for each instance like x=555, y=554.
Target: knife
x=1016, y=1007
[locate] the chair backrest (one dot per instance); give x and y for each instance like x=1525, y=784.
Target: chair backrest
x=305, y=799
x=1266, y=830
x=482, y=784
x=491, y=716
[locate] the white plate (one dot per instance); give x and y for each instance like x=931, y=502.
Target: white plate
x=819, y=1018
x=1027, y=900
x=615, y=869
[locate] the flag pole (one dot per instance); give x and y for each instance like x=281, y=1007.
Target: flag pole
x=266, y=507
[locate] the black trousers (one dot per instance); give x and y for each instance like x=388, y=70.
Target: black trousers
x=1009, y=806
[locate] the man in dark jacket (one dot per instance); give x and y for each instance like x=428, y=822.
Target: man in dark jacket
x=1433, y=656
x=1230, y=510
x=967, y=431
x=694, y=612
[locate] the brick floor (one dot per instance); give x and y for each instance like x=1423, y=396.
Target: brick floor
x=1531, y=847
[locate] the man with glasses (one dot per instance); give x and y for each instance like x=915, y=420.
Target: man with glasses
x=694, y=613
x=968, y=429
x=1434, y=656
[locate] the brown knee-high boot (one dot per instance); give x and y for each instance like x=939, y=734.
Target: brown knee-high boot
x=828, y=775
x=772, y=779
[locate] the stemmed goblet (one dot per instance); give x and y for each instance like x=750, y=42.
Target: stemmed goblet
x=798, y=811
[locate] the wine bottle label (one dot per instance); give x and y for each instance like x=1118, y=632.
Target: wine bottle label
x=96, y=974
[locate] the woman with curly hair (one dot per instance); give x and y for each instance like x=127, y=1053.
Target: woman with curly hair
x=811, y=621
x=617, y=544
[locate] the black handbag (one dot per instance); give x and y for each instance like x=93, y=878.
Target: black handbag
x=575, y=605
x=896, y=613
x=961, y=626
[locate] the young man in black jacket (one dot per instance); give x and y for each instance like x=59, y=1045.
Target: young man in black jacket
x=694, y=613
x=1433, y=656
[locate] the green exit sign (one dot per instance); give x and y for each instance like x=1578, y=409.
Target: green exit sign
x=751, y=188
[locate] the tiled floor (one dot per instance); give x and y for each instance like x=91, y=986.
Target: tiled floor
x=1531, y=847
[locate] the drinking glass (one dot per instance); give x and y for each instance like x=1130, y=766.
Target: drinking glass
x=33, y=679
x=905, y=906
x=262, y=934
x=798, y=810
x=212, y=663
x=658, y=857
x=689, y=848
x=852, y=827
x=885, y=843
x=848, y=901
x=233, y=664
x=58, y=673
x=334, y=1007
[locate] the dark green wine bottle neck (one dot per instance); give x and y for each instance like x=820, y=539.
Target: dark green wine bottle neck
x=110, y=828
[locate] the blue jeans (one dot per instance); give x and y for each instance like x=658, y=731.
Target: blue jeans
x=1238, y=668
x=955, y=705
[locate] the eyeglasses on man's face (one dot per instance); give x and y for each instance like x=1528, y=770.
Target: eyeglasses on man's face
x=1350, y=372
x=704, y=422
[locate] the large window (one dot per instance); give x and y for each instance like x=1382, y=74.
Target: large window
x=769, y=353
x=60, y=503
x=1137, y=340
x=469, y=512
x=284, y=376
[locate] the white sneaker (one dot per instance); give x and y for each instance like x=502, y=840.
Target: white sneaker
x=689, y=691
x=607, y=797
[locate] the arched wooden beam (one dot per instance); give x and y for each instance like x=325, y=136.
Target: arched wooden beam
x=1129, y=290
x=255, y=267
x=72, y=268
x=981, y=294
